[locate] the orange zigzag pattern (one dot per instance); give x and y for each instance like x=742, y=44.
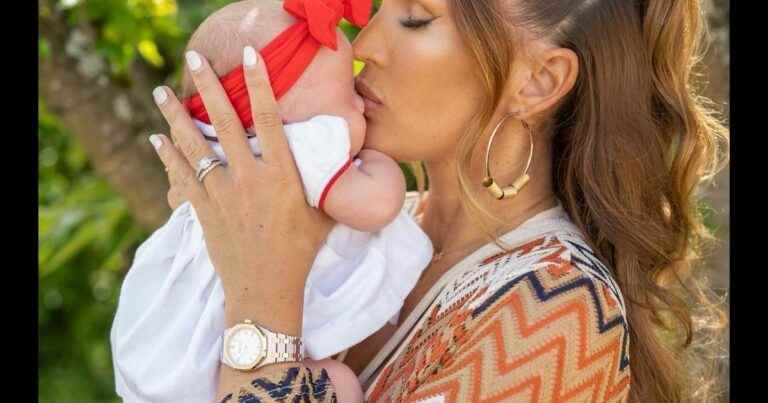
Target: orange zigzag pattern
x=556, y=346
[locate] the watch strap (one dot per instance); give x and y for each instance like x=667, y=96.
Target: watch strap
x=282, y=348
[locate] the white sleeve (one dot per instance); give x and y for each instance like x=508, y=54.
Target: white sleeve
x=359, y=281
x=166, y=334
x=320, y=148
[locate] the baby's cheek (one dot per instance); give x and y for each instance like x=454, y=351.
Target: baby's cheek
x=356, y=124
x=359, y=104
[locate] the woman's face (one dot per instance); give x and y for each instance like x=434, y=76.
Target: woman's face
x=420, y=83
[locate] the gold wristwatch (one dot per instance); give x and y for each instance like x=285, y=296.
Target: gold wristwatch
x=248, y=346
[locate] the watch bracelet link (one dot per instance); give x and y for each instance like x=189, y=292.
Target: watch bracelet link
x=282, y=348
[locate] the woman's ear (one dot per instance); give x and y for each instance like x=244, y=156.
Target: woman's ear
x=542, y=82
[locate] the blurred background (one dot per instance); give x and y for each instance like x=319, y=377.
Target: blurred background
x=102, y=189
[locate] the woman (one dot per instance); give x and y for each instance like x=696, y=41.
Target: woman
x=591, y=115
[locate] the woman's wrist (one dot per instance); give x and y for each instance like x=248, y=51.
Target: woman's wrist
x=278, y=309
x=269, y=293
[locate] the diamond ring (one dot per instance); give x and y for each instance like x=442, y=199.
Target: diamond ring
x=206, y=165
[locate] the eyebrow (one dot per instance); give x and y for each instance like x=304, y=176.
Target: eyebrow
x=432, y=6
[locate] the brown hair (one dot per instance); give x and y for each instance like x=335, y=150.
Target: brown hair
x=631, y=142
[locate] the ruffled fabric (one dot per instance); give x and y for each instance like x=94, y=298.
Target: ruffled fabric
x=359, y=281
x=166, y=335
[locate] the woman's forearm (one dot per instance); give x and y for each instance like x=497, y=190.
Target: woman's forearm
x=282, y=313
x=262, y=244
x=267, y=283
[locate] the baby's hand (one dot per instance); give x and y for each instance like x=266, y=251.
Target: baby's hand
x=370, y=196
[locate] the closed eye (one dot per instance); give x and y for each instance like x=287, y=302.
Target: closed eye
x=414, y=23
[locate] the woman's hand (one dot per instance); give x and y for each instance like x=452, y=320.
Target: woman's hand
x=261, y=234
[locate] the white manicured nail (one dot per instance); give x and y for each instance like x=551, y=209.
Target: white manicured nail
x=249, y=56
x=160, y=95
x=156, y=141
x=193, y=60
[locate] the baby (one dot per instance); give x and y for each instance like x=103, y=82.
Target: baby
x=167, y=333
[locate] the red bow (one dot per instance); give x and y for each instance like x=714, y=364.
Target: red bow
x=322, y=16
x=288, y=55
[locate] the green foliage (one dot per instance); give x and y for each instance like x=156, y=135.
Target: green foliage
x=129, y=29
x=86, y=238
x=708, y=216
x=153, y=30
x=43, y=48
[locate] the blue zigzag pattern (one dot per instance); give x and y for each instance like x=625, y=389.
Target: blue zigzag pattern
x=284, y=389
x=591, y=261
x=543, y=295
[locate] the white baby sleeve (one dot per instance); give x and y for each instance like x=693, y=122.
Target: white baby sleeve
x=166, y=335
x=359, y=281
x=320, y=148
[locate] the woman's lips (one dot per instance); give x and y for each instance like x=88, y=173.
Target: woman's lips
x=372, y=101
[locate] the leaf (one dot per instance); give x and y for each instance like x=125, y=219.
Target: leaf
x=78, y=242
x=43, y=48
x=357, y=67
x=164, y=8
x=148, y=50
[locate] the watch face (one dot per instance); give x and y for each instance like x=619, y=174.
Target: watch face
x=244, y=346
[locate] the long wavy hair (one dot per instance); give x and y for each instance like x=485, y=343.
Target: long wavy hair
x=631, y=142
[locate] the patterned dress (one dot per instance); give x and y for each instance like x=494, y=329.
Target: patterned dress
x=543, y=322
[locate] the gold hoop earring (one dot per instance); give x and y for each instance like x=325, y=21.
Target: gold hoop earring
x=511, y=191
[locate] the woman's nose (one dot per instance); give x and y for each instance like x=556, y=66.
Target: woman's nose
x=369, y=46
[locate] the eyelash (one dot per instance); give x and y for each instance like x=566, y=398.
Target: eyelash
x=413, y=23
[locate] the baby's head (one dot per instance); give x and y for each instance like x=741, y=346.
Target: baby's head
x=325, y=88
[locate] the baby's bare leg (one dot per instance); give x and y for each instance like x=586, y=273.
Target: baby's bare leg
x=369, y=197
x=343, y=379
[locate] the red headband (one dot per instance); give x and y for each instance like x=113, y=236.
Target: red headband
x=291, y=52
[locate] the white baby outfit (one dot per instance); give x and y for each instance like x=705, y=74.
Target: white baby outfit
x=167, y=333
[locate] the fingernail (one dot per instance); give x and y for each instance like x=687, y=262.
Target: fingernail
x=193, y=60
x=249, y=56
x=156, y=141
x=160, y=95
